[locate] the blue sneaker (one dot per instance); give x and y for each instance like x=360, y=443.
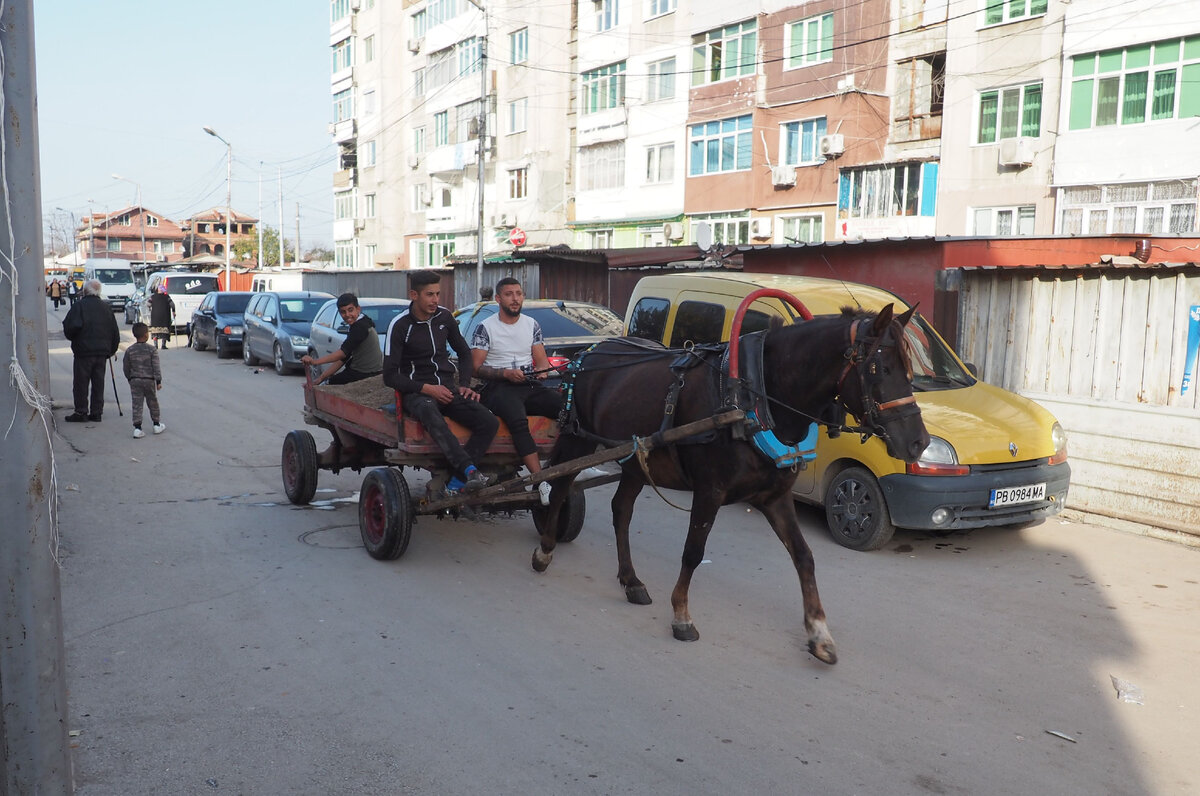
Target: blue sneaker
x=454, y=486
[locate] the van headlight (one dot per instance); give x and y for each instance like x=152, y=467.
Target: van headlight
x=939, y=458
x=1058, y=437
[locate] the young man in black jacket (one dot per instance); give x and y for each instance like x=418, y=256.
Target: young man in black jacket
x=416, y=363
x=92, y=329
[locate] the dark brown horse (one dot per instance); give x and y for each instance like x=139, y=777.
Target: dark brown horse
x=857, y=361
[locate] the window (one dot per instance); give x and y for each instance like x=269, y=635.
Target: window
x=368, y=50
x=800, y=142
x=809, y=41
x=343, y=105
x=600, y=239
x=1002, y=221
x=604, y=88
x=369, y=205
x=715, y=147
x=920, y=94
x=998, y=11
x=660, y=80
x=344, y=252
x=1143, y=208
x=366, y=153
x=518, y=183
x=648, y=320
x=164, y=247
x=606, y=14
x=343, y=55
x=466, y=122
x=660, y=163
x=418, y=140
x=802, y=229
x=1141, y=83
x=518, y=46
x=419, y=192
x=698, y=322
x=727, y=228
x=368, y=103
x=343, y=204
x=338, y=9
x=113, y=245
x=659, y=7
x=369, y=251
x=125, y=220
x=1010, y=112
x=469, y=56
x=602, y=166
x=725, y=53
x=151, y=221
x=435, y=13
x=441, y=128
x=451, y=63
x=518, y=113
x=900, y=189
x=437, y=249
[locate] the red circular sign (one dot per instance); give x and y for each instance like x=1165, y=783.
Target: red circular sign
x=516, y=236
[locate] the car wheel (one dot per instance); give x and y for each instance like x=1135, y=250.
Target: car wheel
x=247, y=357
x=281, y=367
x=222, y=348
x=196, y=344
x=856, y=511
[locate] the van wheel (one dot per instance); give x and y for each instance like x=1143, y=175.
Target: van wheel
x=856, y=511
x=247, y=357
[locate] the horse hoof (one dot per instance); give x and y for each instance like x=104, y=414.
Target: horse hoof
x=685, y=632
x=637, y=595
x=541, y=560
x=825, y=652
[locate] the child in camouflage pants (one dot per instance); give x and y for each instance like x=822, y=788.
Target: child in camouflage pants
x=145, y=379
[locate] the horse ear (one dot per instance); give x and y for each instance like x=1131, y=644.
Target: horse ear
x=882, y=320
x=906, y=317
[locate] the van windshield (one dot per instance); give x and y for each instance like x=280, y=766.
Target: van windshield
x=114, y=276
x=191, y=285
x=934, y=366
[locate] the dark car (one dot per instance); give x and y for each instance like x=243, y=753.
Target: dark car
x=276, y=327
x=329, y=330
x=217, y=322
x=568, y=327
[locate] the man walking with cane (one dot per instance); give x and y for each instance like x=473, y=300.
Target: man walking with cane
x=92, y=329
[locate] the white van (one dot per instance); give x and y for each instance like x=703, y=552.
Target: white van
x=186, y=290
x=115, y=276
x=274, y=282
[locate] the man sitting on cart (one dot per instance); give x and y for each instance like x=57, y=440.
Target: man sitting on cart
x=417, y=365
x=510, y=357
x=359, y=357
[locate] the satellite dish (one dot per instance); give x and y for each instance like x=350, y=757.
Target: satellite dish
x=704, y=237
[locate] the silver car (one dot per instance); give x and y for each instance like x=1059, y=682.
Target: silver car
x=329, y=330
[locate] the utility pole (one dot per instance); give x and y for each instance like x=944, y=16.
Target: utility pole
x=482, y=143
x=297, y=233
x=281, y=263
x=228, y=202
x=34, y=755
x=259, y=258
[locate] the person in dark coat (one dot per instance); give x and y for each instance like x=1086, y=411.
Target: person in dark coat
x=72, y=292
x=162, y=316
x=92, y=329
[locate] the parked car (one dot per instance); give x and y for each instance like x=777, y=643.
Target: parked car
x=186, y=289
x=217, y=322
x=133, y=306
x=329, y=330
x=568, y=327
x=276, y=326
x=995, y=458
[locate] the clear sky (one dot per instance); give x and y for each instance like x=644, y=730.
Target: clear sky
x=127, y=88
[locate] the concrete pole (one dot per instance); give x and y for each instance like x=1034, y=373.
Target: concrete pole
x=281, y=262
x=34, y=756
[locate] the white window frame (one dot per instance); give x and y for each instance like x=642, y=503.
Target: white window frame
x=602, y=88
x=705, y=133
x=815, y=222
x=441, y=128
x=343, y=105
x=600, y=238
x=1095, y=207
x=806, y=129
x=518, y=183
x=368, y=49
x=420, y=139
x=799, y=36
x=708, y=50
x=660, y=80
x=1021, y=221
x=368, y=102
x=658, y=8
x=1021, y=93
x=343, y=204
x=369, y=252
x=518, y=46
x=608, y=14
x=368, y=205
x=518, y=115
x=660, y=163
x=1008, y=11
x=727, y=228
x=602, y=166
x=366, y=154
x=343, y=55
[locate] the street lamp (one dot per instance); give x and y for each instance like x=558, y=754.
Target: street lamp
x=141, y=214
x=228, y=200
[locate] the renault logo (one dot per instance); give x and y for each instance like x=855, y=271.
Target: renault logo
x=1012, y=448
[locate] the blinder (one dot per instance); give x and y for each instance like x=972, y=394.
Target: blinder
x=864, y=356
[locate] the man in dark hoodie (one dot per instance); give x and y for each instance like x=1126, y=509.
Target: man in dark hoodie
x=92, y=329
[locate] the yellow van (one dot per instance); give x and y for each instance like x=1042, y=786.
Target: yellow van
x=994, y=457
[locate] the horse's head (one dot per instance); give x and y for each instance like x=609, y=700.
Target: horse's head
x=876, y=384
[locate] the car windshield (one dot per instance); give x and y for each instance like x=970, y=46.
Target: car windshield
x=381, y=316
x=235, y=304
x=191, y=285
x=297, y=310
x=564, y=319
x=114, y=276
x=934, y=366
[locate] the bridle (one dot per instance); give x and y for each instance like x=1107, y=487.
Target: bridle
x=864, y=357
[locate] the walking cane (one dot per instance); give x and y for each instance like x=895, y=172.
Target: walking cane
x=116, y=394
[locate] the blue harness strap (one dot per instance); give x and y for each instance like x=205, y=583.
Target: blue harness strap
x=782, y=455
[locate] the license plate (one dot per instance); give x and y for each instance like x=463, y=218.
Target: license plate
x=1015, y=495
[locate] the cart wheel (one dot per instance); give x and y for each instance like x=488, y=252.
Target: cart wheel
x=300, y=467
x=385, y=513
x=570, y=516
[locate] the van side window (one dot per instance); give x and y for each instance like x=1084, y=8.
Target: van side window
x=699, y=322
x=649, y=319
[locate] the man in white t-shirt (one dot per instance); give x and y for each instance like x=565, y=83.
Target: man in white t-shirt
x=510, y=357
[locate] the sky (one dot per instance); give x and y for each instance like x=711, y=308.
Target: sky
x=127, y=87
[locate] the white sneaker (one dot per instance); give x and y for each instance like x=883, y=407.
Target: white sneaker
x=138, y=433
x=159, y=428
x=544, y=493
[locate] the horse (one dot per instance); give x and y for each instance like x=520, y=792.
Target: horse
x=856, y=362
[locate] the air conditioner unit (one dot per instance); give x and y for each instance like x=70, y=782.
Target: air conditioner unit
x=783, y=176
x=760, y=227
x=414, y=45
x=833, y=145
x=355, y=5
x=673, y=230
x=360, y=224
x=413, y=161
x=161, y=258
x=1016, y=152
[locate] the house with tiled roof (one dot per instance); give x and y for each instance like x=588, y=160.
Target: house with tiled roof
x=134, y=233
x=205, y=231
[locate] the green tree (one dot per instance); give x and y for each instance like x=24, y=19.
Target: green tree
x=248, y=248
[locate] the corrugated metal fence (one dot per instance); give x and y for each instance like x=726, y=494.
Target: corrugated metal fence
x=1103, y=348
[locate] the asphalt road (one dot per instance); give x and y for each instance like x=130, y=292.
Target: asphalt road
x=220, y=640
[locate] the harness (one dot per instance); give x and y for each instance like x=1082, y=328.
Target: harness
x=870, y=351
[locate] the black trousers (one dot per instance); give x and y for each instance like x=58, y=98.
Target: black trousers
x=513, y=403
x=478, y=420
x=88, y=372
